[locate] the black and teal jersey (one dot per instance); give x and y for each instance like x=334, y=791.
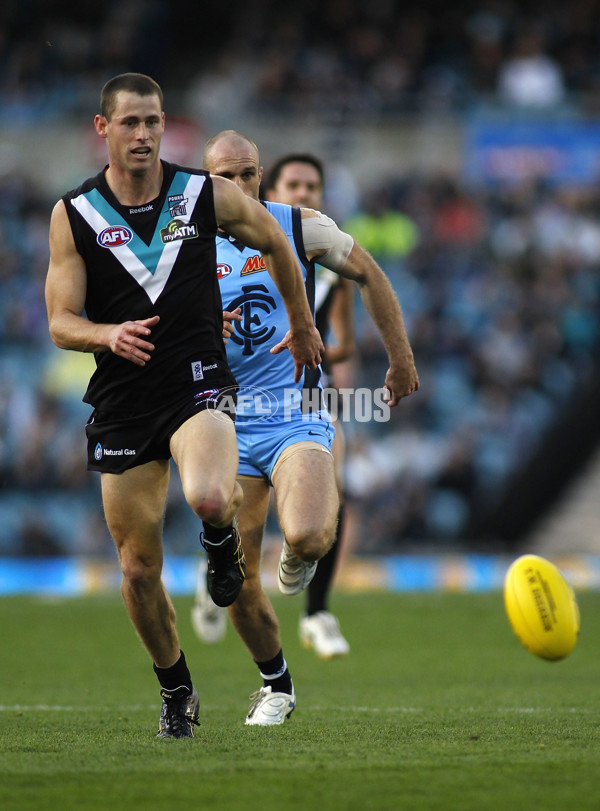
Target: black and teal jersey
x=154, y=259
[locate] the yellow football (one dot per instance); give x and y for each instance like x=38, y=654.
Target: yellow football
x=541, y=607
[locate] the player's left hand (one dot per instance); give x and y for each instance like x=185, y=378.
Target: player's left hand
x=228, y=319
x=400, y=381
x=305, y=346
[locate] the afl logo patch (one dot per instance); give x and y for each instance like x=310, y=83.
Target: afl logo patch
x=114, y=236
x=223, y=271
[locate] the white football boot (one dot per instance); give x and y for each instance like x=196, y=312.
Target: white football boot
x=294, y=574
x=321, y=633
x=209, y=621
x=269, y=708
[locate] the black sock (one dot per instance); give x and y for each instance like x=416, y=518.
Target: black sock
x=175, y=679
x=275, y=674
x=216, y=535
x=318, y=588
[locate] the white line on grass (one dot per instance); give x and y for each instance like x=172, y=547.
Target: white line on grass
x=383, y=710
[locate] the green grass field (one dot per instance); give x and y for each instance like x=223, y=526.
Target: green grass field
x=437, y=707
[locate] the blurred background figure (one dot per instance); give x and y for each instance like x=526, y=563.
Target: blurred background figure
x=298, y=180
x=529, y=77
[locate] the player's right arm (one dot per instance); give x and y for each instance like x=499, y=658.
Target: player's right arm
x=66, y=285
x=336, y=250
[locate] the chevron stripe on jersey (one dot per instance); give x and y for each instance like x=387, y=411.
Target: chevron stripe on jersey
x=150, y=265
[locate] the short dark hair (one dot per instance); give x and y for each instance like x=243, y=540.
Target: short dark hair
x=299, y=157
x=131, y=82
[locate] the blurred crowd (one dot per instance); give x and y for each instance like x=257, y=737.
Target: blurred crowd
x=348, y=59
x=344, y=58
x=501, y=295
x=501, y=298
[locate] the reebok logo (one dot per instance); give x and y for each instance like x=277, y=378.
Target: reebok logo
x=198, y=369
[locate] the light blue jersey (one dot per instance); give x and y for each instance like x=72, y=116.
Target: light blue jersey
x=269, y=412
x=266, y=381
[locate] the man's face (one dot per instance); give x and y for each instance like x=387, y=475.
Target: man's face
x=134, y=131
x=298, y=184
x=237, y=161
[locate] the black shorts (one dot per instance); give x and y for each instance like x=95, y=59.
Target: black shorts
x=117, y=441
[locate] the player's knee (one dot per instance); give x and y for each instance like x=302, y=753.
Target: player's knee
x=140, y=575
x=310, y=543
x=210, y=504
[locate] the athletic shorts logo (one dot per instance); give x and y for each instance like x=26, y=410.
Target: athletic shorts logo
x=223, y=270
x=98, y=452
x=208, y=393
x=114, y=236
x=197, y=370
x=177, y=229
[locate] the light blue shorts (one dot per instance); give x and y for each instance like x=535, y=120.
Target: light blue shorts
x=261, y=442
